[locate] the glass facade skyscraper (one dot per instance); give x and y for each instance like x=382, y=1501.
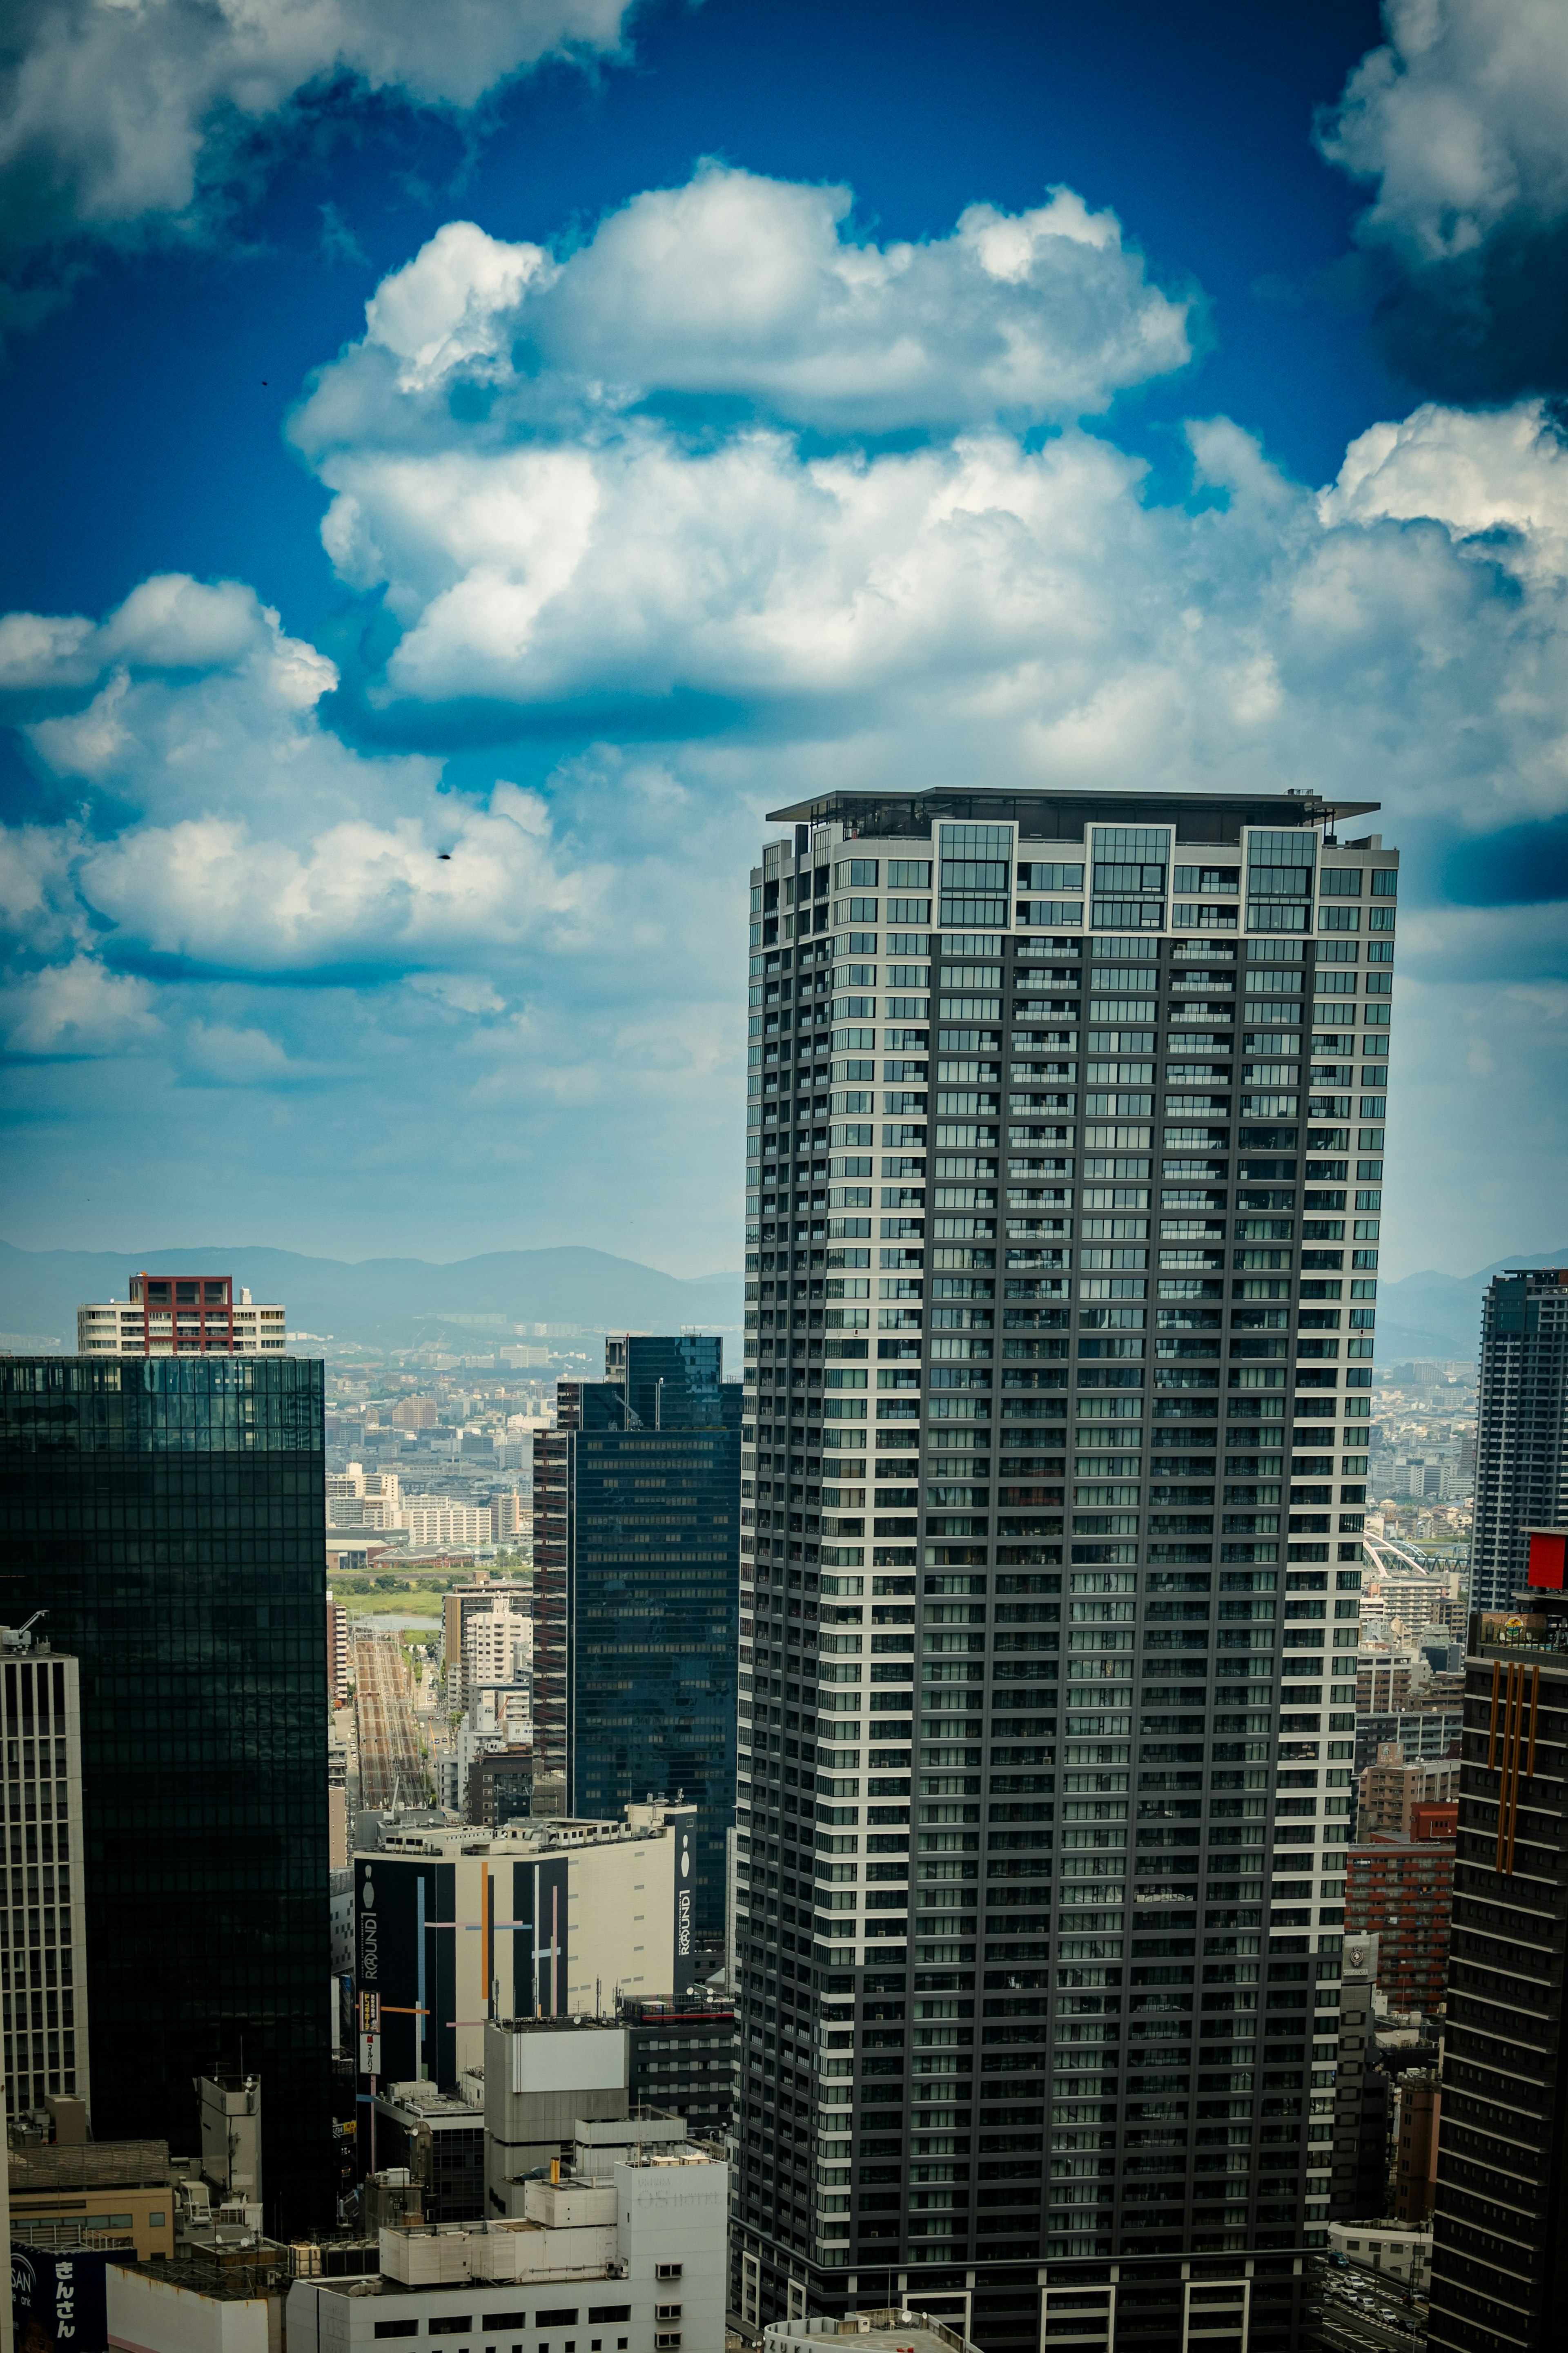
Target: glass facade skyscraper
x=637, y=1528
x=169, y=1516
x=1066, y=1122
x=1521, y=1435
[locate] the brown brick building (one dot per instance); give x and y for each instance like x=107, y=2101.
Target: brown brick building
x=1399, y=1887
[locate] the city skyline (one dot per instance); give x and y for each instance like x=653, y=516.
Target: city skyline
x=559, y=465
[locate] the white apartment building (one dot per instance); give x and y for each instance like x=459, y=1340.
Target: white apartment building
x=444, y=1520
x=358, y=1498
x=180, y=1315
x=498, y=1642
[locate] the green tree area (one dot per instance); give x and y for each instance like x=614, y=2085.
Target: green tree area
x=419, y=1593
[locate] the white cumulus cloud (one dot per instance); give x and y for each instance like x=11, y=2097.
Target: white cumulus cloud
x=78, y=1008
x=116, y=114
x=735, y=287
x=1462, y=120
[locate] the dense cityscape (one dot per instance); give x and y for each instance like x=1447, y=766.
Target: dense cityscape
x=783, y=1301
x=581, y=1701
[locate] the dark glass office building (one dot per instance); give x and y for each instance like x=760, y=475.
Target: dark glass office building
x=636, y=1513
x=168, y=1514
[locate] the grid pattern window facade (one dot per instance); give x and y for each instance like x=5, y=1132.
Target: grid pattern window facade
x=1053, y=1483
x=1130, y=864
x=1496, y=2261
x=168, y=1514
x=43, y=1955
x=638, y=1497
x=975, y=876
x=1521, y=1434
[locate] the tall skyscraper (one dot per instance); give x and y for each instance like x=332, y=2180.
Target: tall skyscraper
x=43, y=1916
x=637, y=1512
x=1521, y=1433
x=168, y=1517
x=1499, y=2261
x=1064, y=1173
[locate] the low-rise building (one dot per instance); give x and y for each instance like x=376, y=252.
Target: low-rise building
x=74, y=2192
x=180, y=1316
x=1391, y=2248
x=619, y=2248
x=898, y=2330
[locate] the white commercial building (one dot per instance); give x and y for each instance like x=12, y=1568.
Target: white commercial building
x=1394, y=2250
x=624, y=2253
x=546, y=1919
x=180, y=1315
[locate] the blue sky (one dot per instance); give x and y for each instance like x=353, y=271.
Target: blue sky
x=749, y=399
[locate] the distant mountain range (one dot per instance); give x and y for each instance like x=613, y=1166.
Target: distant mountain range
x=1432, y=1314
x=381, y=1302
x=395, y=1303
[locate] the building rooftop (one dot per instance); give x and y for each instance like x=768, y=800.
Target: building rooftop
x=890, y=2331
x=1046, y=816
x=648, y=1821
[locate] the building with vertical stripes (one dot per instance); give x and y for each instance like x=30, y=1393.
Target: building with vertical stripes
x=1065, y=1160
x=43, y=2010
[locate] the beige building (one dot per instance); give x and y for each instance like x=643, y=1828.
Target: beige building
x=73, y=2191
x=415, y=1413
x=1390, y=1788
x=180, y=1316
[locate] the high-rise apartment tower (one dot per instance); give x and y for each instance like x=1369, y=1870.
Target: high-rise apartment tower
x=1064, y=1171
x=636, y=1513
x=167, y=1515
x=1522, y=1436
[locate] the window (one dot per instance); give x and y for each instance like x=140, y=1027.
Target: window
x=398, y=2329
x=453, y=2324
x=667, y=2271
x=600, y=2312
x=506, y=2320
x=558, y=2317
x=156, y=2221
